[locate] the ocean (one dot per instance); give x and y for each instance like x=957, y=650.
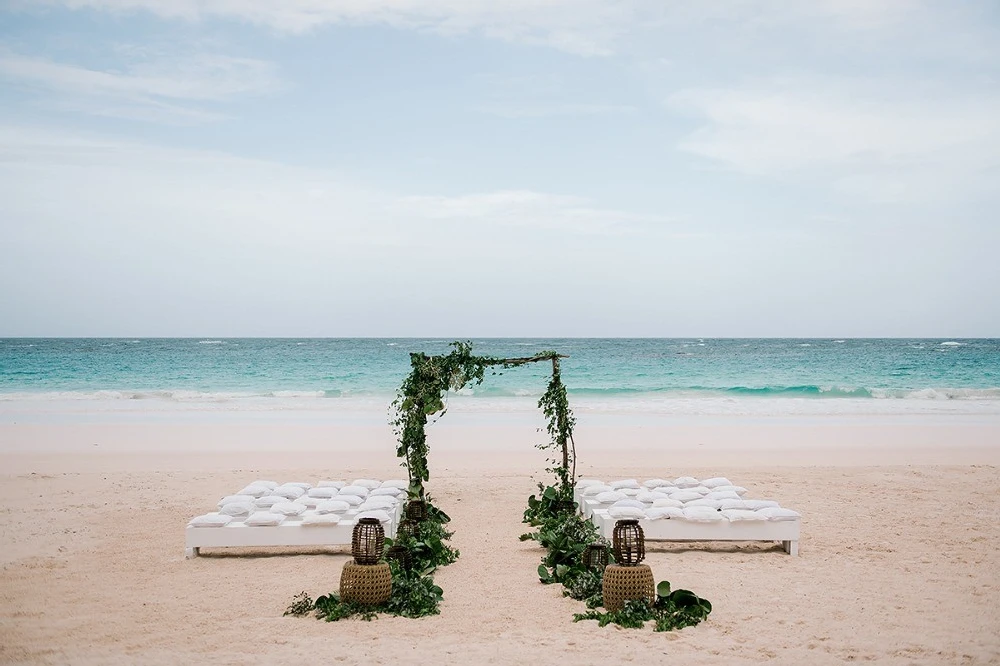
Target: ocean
x=671, y=376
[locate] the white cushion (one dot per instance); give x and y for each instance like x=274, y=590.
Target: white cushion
x=267, y=484
x=659, y=513
x=704, y=501
x=264, y=519
x=701, y=490
x=624, y=483
x=657, y=483
x=238, y=509
x=778, y=513
x=610, y=497
x=701, y=514
x=685, y=496
x=583, y=483
x=386, y=492
x=269, y=501
x=255, y=490
x=591, y=491
x=647, y=496
x=686, y=482
x=402, y=484
x=230, y=499
x=211, y=520
x=298, y=484
x=360, y=491
x=333, y=506
x=739, y=515
x=716, y=482
x=627, y=512
x=353, y=500
x=387, y=503
x=370, y=484
x=289, y=492
x=382, y=516
x=323, y=493
x=756, y=505
x=666, y=502
x=739, y=490
x=631, y=492
x=331, y=484
x=310, y=502
x=321, y=519
x=734, y=504
x=288, y=508
x=722, y=495
x=630, y=502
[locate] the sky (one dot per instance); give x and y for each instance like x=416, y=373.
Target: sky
x=579, y=168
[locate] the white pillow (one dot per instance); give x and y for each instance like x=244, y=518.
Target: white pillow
x=288, y=509
x=270, y=485
x=722, y=495
x=647, y=496
x=237, y=509
x=353, y=500
x=739, y=515
x=331, y=484
x=666, y=502
x=710, y=503
x=701, y=490
x=298, y=484
x=255, y=490
x=269, y=501
x=591, y=491
x=716, y=482
x=624, y=483
x=210, y=520
x=382, y=516
x=734, y=504
x=230, y=499
x=370, y=484
x=659, y=513
x=377, y=503
x=629, y=502
x=656, y=483
x=321, y=519
x=685, y=496
x=631, y=492
x=756, y=505
x=686, y=482
x=610, y=497
x=626, y=512
x=385, y=492
x=402, y=484
x=701, y=514
x=778, y=513
x=739, y=490
x=583, y=483
x=264, y=519
x=333, y=506
x=322, y=493
x=360, y=491
x=310, y=502
x=289, y=492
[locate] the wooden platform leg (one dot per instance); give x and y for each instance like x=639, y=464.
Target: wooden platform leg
x=191, y=553
x=791, y=547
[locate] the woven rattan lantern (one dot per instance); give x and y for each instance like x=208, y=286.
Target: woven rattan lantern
x=595, y=556
x=416, y=510
x=367, y=541
x=408, y=529
x=628, y=542
x=401, y=555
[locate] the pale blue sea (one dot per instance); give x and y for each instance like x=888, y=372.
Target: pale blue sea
x=665, y=375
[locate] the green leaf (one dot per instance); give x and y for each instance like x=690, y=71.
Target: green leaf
x=663, y=588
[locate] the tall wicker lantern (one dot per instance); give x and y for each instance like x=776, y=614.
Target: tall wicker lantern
x=408, y=528
x=629, y=543
x=595, y=556
x=368, y=541
x=416, y=510
x=401, y=555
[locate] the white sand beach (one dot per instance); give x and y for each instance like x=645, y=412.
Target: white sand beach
x=898, y=561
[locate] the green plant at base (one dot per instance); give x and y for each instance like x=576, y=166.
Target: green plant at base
x=671, y=610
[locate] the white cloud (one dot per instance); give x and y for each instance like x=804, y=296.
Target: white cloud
x=164, y=88
x=884, y=145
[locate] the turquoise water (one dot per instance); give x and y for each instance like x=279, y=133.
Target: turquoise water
x=604, y=369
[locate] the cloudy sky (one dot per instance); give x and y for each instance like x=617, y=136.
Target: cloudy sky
x=487, y=168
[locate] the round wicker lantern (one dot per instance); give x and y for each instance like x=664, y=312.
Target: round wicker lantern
x=407, y=529
x=628, y=542
x=401, y=555
x=595, y=556
x=416, y=510
x=367, y=541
